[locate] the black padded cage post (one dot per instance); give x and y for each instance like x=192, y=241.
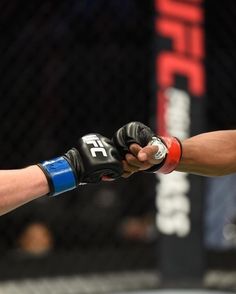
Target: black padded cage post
x=179, y=94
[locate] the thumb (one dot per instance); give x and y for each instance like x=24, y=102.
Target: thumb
x=147, y=154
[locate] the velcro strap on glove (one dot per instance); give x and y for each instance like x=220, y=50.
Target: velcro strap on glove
x=60, y=175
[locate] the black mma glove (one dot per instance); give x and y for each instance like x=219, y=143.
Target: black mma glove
x=133, y=132
x=169, y=148
x=95, y=158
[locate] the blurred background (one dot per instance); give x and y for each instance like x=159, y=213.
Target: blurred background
x=83, y=66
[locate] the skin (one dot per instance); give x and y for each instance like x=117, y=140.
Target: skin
x=20, y=186
x=207, y=154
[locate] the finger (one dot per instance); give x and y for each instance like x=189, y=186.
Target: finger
x=146, y=165
x=148, y=154
x=126, y=175
x=132, y=160
x=135, y=148
x=107, y=179
x=129, y=168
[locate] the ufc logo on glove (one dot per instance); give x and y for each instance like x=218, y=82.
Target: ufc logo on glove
x=97, y=143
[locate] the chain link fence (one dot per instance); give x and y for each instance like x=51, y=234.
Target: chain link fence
x=68, y=69
x=220, y=64
x=221, y=103
x=76, y=67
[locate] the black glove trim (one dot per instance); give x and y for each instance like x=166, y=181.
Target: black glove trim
x=134, y=132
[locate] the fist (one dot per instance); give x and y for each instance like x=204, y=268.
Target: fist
x=94, y=159
x=133, y=132
x=142, y=150
x=139, y=148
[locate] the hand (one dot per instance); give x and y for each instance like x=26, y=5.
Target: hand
x=140, y=159
x=94, y=159
x=139, y=148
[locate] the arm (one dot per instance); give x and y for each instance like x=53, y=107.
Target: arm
x=94, y=159
x=18, y=187
x=208, y=154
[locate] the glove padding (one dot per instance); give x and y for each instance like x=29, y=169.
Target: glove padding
x=133, y=132
x=94, y=158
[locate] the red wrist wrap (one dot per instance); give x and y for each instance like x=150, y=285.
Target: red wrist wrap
x=173, y=156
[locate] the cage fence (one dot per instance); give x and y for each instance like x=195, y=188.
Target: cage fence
x=72, y=68
x=68, y=69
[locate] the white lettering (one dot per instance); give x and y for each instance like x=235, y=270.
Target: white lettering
x=173, y=204
x=178, y=113
x=172, y=200
x=96, y=142
x=97, y=150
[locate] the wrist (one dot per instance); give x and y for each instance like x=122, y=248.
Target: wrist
x=160, y=155
x=168, y=156
x=173, y=156
x=60, y=175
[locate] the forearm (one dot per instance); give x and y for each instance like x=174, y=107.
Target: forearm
x=84, y=164
x=18, y=187
x=209, y=154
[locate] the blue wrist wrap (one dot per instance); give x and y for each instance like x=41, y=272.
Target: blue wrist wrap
x=60, y=174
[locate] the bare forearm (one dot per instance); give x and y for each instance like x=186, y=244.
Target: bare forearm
x=18, y=187
x=210, y=154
